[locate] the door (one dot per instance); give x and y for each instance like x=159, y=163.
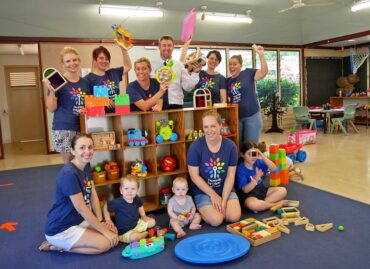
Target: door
x=24, y=102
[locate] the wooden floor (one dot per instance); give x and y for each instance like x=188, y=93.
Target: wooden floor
x=337, y=163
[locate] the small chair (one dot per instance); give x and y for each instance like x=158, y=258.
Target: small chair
x=349, y=115
x=302, y=117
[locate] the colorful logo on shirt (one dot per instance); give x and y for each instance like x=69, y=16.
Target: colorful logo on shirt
x=112, y=87
x=214, y=169
x=234, y=91
x=207, y=83
x=78, y=96
x=87, y=191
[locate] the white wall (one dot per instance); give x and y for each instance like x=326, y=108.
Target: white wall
x=10, y=60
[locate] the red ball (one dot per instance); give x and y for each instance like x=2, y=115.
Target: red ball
x=168, y=164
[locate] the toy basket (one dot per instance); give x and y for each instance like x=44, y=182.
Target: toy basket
x=103, y=140
x=113, y=174
x=99, y=177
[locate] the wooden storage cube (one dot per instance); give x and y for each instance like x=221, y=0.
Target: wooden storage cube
x=149, y=193
x=178, y=124
x=177, y=151
x=145, y=154
x=138, y=122
x=103, y=140
x=99, y=177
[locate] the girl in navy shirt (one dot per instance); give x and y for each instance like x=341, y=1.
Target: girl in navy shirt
x=103, y=75
x=251, y=190
x=241, y=90
x=74, y=222
x=212, y=161
x=67, y=103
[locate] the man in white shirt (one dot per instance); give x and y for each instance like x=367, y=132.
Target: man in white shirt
x=183, y=81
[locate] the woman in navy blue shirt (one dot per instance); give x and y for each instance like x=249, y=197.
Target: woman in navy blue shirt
x=241, y=90
x=212, y=161
x=74, y=223
x=67, y=103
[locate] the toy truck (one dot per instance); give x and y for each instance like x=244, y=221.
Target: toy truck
x=294, y=152
x=136, y=137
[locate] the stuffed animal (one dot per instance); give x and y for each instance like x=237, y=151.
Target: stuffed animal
x=194, y=57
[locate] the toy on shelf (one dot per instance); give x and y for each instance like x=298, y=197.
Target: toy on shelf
x=202, y=98
x=255, y=231
x=164, y=196
x=122, y=36
x=164, y=130
x=99, y=175
x=139, y=169
x=165, y=72
x=193, y=134
x=112, y=169
x=105, y=141
x=57, y=81
x=137, y=137
x=168, y=164
x=225, y=131
x=144, y=248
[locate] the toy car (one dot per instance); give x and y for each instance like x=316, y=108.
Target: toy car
x=294, y=152
x=164, y=131
x=144, y=248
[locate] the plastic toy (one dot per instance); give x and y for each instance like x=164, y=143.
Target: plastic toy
x=281, y=174
x=137, y=137
x=99, y=176
x=225, y=131
x=188, y=26
x=122, y=36
x=212, y=248
x=57, y=81
x=157, y=231
x=341, y=228
x=294, y=152
x=164, y=130
x=164, y=196
x=303, y=137
x=170, y=236
x=168, y=164
x=194, y=57
x=139, y=169
x=145, y=248
x=165, y=72
x=202, y=98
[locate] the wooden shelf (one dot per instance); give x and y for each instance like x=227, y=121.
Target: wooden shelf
x=152, y=153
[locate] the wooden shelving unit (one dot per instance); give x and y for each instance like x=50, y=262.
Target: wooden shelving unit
x=151, y=154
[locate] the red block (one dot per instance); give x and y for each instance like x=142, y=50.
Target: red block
x=95, y=111
x=122, y=110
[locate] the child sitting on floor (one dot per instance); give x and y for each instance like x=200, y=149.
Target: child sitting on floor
x=251, y=190
x=131, y=221
x=181, y=208
x=294, y=171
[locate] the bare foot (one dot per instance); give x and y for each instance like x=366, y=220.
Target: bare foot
x=46, y=246
x=195, y=226
x=181, y=234
x=299, y=173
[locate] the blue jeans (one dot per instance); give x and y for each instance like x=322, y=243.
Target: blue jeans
x=203, y=199
x=250, y=128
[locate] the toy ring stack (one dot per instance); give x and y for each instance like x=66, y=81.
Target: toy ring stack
x=164, y=73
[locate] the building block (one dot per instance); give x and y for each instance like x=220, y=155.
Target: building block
x=100, y=91
x=293, y=203
x=324, y=227
x=95, y=111
x=301, y=221
x=122, y=110
x=309, y=227
x=91, y=100
x=282, y=228
x=122, y=100
x=170, y=236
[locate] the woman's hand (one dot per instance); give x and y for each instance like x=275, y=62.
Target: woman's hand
x=164, y=86
x=110, y=225
x=111, y=103
x=112, y=238
x=216, y=202
x=258, y=49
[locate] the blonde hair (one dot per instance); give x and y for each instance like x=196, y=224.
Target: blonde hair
x=238, y=58
x=67, y=50
x=179, y=180
x=143, y=60
x=212, y=113
x=130, y=178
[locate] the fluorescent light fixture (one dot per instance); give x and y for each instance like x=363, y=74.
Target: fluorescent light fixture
x=130, y=11
x=227, y=17
x=360, y=5
x=351, y=40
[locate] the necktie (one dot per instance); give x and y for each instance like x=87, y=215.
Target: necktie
x=165, y=63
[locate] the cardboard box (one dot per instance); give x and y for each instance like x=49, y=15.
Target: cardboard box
x=303, y=137
x=255, y=231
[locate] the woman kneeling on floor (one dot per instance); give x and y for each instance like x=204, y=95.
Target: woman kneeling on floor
x=74, y=222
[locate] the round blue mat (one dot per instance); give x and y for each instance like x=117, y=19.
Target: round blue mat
x=212, y=248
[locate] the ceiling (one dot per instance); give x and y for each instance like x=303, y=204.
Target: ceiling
x=80, y=19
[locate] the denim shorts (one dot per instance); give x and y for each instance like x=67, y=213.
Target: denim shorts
x=203, y=199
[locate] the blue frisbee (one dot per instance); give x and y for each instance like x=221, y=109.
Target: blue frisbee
x=212, y=248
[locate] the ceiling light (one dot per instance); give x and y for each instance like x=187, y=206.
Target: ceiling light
x=131, y=10
x=360, y=5
x=351, y=40
x=227, y=17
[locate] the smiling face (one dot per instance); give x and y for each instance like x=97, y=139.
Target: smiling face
x=83, y=150
x=212, y=62
x=71, y=63
x=142, y=71
x=234, y=67
x=165, y=49
x=102, y=62
x=211, y=128
x=129, y=190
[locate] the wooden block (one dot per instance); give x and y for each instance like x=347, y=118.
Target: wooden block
x=283, y=228
x=250, y=226
x=276, y=207
x=293, y=203
x=324, y=227
x=309, y=227
x=301, y=221
x=271, y=219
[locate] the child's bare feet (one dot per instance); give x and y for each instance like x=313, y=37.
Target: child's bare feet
x=299, y=173
x=195, y=226
x=46, y=246
x=181, y=233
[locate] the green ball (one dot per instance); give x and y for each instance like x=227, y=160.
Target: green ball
x=341, y=228
x=97, y=168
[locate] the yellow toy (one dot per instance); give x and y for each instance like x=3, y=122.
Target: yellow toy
x=122, y=36
x=139, y=169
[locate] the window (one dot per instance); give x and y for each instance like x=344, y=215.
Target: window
x=290, y=78
x=246, y=56
x=176, y=54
